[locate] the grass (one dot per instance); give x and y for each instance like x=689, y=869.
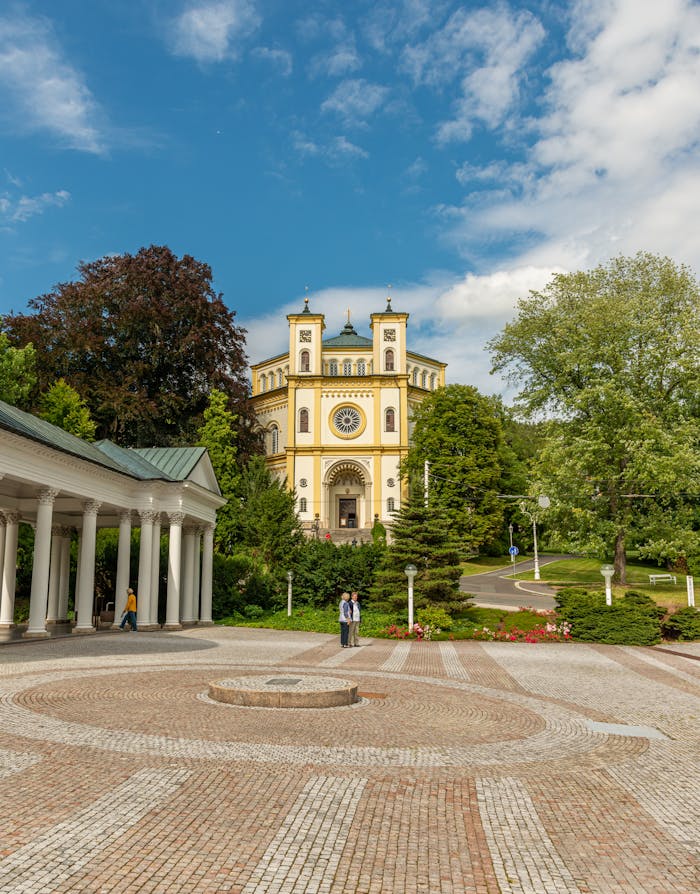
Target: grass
x=484, y=564
x=586, y=572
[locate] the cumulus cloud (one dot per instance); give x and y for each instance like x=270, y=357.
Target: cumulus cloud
x=487, y=49
x=18, y=210
x=211, y=31
x=43, y=91
x=276, y=58
x=355, y=100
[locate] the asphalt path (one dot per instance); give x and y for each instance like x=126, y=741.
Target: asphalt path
x=495, y=589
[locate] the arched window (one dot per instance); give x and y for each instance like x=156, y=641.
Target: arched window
x=424, y=379
x=303, y=419
x=302, y=504
x=347, y=367
x=415, y=375
x=389, y=360
x=272, y=381
x=333, y=368
x=433, y=379
x=274, y=439
x=361, y=368
x=280, y=378
x=389, y=420
x=263, y=383
x=390, y=504
x=304, y=365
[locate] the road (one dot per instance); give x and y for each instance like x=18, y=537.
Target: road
x=494, y=589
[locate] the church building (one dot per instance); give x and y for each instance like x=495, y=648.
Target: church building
x=336, y=416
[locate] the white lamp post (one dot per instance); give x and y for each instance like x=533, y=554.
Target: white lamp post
x=290, y=578
x=544, y=503
x=607, y=571
x=510, y=550
x=410, y=571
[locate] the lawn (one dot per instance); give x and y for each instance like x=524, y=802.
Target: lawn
x=484, y=564
x=586, y=573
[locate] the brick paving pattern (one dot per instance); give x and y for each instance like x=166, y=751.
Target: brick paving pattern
x=467, y=768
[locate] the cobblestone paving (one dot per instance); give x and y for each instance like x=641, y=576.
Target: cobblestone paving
x=467, y=768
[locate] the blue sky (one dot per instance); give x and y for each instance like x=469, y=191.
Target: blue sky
x=460, y=151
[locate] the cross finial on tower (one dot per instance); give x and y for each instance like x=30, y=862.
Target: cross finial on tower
x=388, y=299
x=306, y=300
x=348, y=313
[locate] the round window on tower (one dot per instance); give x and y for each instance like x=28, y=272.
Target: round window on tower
x=348, y=421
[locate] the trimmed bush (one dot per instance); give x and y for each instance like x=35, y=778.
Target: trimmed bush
x=683, y=624
x=434, y=617
x=630, y=622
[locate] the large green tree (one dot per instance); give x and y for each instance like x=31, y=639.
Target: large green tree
x=17, y=372
x=611, y=357
x=459, y=432
x=219, y=435
x=144, y=338
x=61, y=405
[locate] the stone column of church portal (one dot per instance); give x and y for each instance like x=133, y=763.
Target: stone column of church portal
x=207, y=575
x=172, y=608
x=152, y=619
x=54, y=574
x=85, y=592
x=64, y=577
x=40, y=567
x=9, y=570
x=123, y=565
x=143, y=592
x=188, y=577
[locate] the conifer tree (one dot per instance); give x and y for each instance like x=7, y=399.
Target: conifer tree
x=64, y=407
x=218, y=434
x=422, y=537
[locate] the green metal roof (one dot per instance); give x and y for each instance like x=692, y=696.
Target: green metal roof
x=348, y=338
x=130, y=460
x=176, y=462
x=21, y=423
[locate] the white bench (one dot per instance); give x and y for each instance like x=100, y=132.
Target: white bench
x=653, y=578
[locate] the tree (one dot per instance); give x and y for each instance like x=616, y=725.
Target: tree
x=145, y=338
x=422, y=536
x=61, y=405
x=269, y=526
x=459, y=432
x=612, y=356
x=218, y=434
x=17, y=372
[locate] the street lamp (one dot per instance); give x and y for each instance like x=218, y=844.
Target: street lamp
x=510, y=545
x=607, y=571
x=317, y=525
x=543, y=502
x=410, y=571
x=290, y=578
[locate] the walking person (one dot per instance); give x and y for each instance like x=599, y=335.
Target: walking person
x=354, y=625
x=130, y=611
x=345, y=616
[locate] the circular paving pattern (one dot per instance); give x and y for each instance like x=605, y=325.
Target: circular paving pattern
x=423, y=722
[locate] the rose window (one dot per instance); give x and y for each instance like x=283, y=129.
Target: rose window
x=347, y=420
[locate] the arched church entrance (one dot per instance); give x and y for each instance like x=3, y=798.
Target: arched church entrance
x=347, y=496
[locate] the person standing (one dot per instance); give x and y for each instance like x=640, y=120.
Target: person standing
x=354, y=626
x=130, y=611
x=345, y=615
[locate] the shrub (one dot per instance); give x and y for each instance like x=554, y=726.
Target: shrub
x=683, y=624
x=434, y=617
x=625, y=622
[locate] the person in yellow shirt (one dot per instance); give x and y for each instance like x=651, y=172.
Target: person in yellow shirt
x=130, y=610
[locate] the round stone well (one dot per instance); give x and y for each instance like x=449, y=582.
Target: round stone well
x=290, y=691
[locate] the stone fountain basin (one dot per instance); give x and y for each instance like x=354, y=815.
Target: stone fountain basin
x=284, y=691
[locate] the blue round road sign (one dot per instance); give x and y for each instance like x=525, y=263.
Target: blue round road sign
x=514, y=550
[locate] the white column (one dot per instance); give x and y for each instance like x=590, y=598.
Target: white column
x=76, y=582
x=9, y=571
x=188, y=578
x=64, y=581
x=40, y=567
x=152, y=619
x=123, y=565
x=3, y=528
x=197, y=572
x=54, y=575
x=143, y=594
x=172, y=609
x=207, y=575
x=86, y=589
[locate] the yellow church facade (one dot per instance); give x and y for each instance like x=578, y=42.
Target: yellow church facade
x=335, y=413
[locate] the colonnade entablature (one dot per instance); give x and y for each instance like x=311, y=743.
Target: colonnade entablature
x=64, y=486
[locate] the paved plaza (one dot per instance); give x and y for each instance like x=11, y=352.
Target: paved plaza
x=493, y=768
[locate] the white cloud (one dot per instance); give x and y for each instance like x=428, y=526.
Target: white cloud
x=279, y=59
x=355, y=100
x=341, y=60
x=210, y=31
x=42, y=90
x=19, y=210
x=614, y=164
x=488, y=50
